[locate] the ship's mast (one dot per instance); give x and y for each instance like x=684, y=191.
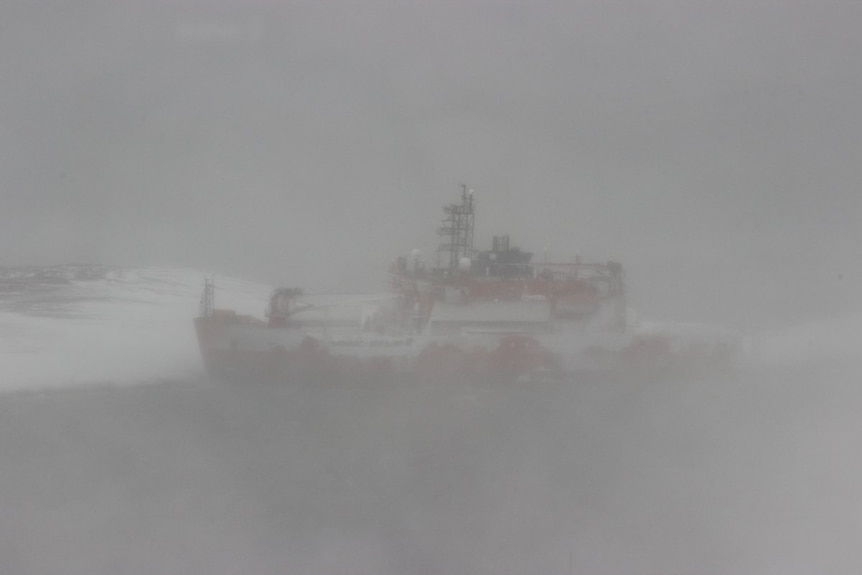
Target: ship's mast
x=208, y=297
x=458, y=229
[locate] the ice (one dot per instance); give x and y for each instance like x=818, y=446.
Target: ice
x=80, y=325
x=117, y=326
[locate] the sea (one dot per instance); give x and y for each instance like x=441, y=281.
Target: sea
x=119, y=455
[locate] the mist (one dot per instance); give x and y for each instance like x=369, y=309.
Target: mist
x=711, y=147
x=706, y=145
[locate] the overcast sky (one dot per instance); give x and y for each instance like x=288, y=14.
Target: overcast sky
x=712, y=147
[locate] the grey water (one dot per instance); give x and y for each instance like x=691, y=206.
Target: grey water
x=752, y=473
x=747, y=472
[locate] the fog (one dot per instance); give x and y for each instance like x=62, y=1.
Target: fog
x=706, y=145
x=711, y=147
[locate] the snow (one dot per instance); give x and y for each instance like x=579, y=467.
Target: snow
x=118, y=326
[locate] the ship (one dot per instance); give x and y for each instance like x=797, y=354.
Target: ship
x=496, y=314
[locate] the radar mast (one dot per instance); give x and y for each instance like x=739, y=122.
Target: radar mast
x=457, y=228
